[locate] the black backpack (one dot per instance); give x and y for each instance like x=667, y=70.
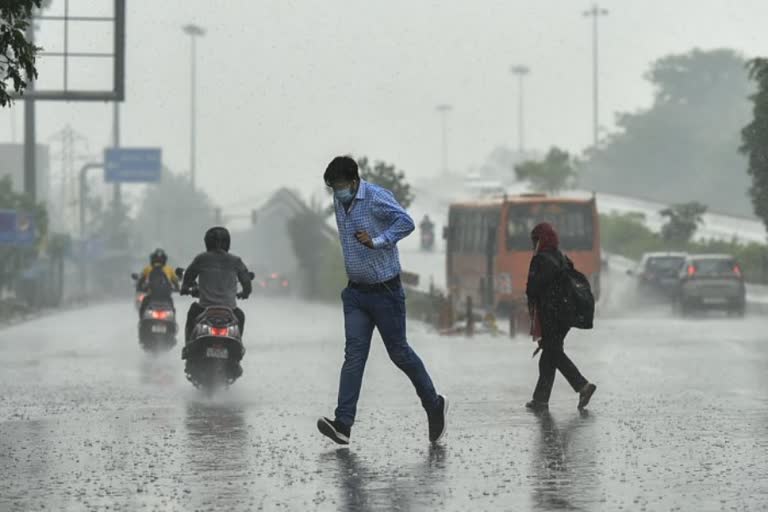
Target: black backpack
x=570, y=295
x=158, y=284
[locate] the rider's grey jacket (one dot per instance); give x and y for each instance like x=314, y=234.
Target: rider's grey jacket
x=217, y=273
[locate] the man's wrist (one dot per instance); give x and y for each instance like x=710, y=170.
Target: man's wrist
x=379, y=242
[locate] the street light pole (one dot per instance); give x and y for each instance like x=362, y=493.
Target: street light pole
x=520, y=71
x=193, y=31
x=444, y=109
x=116, y=198
x=595, y=12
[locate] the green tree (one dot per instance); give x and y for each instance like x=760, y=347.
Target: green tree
x=549, y=175
x=627, y=234
x=685, y=146
x=17, y=54
x=683, y=221
x=174, y=215
x=754, y=138
x=387, y=176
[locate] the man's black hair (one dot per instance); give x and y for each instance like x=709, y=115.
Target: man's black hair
x=341, y=168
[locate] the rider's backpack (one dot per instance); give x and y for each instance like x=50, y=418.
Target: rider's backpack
x=158, y=284
x=570, y=295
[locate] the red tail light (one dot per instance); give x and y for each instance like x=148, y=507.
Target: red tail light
x=160, y=314
x=274, y=275
x=691, y=271
x=737, y=270
x=285, y=284
x=219, y=331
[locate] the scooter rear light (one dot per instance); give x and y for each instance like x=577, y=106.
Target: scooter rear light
x=691, y=271
x=737, y=270
x=160, y=314
x=219, y=331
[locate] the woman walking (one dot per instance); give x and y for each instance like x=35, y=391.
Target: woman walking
x=547, y=327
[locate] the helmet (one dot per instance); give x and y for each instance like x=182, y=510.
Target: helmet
x=217, y=238
x=158, y=257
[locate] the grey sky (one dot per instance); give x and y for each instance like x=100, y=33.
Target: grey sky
x=286, y=85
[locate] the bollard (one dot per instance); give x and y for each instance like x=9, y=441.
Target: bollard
x=512, y=322
x=470, y=318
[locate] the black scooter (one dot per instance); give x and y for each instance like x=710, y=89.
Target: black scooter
x=157, y=325
x=215, y=348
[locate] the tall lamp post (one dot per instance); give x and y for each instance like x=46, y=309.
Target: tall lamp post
x=520, y=72
x=444, y=109
x=193, y=31
x=595, y=12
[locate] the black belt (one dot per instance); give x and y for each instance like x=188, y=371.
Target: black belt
x=386, y=286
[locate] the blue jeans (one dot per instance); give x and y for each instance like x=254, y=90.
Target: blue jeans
x=386, y=311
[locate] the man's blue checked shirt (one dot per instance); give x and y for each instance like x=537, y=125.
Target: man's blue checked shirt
x=375, y=210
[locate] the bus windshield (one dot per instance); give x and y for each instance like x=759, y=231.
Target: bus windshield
x=572, y=221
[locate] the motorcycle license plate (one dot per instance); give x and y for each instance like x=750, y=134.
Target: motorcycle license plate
x=217, y=353
x=160, y=329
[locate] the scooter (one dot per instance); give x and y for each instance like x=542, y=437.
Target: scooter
x=157, y=325
x=215, y=348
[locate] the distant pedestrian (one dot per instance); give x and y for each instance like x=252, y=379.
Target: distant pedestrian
x=547, y=326
x=370, y=223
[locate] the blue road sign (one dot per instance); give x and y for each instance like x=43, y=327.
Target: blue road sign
x=17, y=228
x=132, y=165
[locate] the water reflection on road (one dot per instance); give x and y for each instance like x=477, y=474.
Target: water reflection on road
x=365, y=487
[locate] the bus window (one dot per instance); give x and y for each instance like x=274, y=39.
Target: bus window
x=573, y=223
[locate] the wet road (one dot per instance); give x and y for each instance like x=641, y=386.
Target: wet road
x=679, y=422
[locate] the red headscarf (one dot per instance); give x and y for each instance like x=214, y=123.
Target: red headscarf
x=546, y=236
x=547, y=239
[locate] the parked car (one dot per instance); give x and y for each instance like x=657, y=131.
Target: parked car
x=658, y=273
x=711, y=281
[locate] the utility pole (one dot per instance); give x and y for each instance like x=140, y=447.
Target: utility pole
x=520, y=72
x=193, y=31
x=73, y=147
x=12, y=116
x=595, y=12
x=30, y=167
x=444, y=109
x=116, y=199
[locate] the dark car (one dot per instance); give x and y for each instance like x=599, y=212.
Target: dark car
x=658, y=273
x=711, y=281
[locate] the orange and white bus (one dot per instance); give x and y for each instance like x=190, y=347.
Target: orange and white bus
x=489, y=241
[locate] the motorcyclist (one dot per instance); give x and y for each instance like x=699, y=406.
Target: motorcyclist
x=217, y=273
x=427, y=228
x=157, y=280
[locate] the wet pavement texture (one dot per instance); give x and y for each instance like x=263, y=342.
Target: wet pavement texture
x=89, y=422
